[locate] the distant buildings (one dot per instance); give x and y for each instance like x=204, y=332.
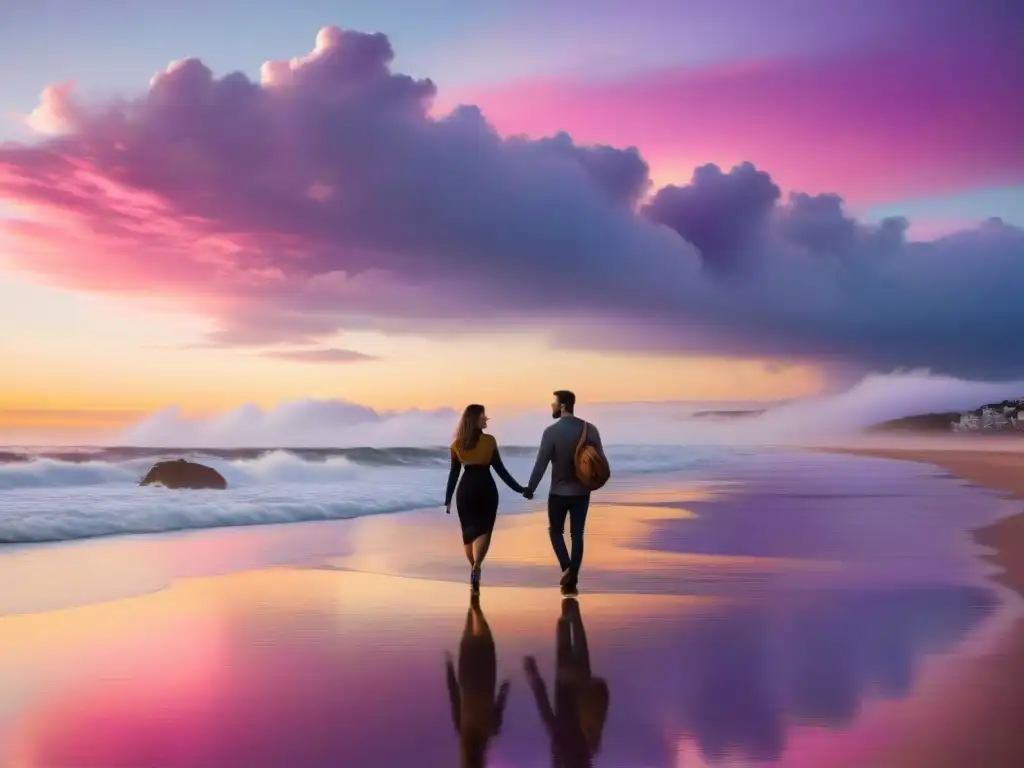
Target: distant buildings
x=995, y=417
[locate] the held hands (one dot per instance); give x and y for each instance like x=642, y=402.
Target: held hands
x=527, y=493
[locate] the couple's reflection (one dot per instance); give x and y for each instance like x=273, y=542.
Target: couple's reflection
x=476, y=711
x=576, y=720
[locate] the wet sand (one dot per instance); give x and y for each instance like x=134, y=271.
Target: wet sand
x=798, y=611
x=1001, y=471
x=983, y=726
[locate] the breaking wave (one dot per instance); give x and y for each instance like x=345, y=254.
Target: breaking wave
x=52, y=495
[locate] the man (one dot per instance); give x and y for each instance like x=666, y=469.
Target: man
x=568, y=496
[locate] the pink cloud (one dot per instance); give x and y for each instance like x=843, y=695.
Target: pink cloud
x=872, y=125
x=56, y=110
x=327, y=197
x=326, y=355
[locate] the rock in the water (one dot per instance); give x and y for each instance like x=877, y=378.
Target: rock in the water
x=181, y=473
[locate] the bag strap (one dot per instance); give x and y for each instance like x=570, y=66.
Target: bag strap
x=583, y=438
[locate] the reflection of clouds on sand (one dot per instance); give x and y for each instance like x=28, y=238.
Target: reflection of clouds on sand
x=289, y=692
x=316, y=668
x=744, y=676
x=267, y=668
x=886, y=522
x=117, y=568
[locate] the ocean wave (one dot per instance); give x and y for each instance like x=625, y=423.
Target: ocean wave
x=402, y=456
x=245, y=466
x=55, y=473
x=49, y=517
x=44, y=497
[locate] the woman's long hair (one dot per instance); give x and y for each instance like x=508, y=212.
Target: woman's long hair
x=468, y=433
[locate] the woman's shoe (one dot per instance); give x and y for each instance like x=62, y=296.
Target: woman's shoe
x=568, y=576
x=569, y=581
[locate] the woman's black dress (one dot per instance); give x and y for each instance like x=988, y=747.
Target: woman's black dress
x=477, y=494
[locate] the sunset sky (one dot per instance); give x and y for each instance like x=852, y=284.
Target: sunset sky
x=210, y=204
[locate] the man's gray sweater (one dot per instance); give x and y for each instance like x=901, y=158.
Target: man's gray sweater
x=558, y=447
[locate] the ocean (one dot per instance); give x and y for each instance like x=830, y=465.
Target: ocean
x=61, y=494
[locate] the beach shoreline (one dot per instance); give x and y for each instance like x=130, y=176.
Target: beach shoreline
x=980, y=728
x=999, y=471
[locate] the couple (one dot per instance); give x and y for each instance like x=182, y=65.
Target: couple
x=578, y=466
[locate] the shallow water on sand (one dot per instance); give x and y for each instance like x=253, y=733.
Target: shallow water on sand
x=795, y=610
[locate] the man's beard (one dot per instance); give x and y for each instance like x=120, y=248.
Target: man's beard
x=556, y=414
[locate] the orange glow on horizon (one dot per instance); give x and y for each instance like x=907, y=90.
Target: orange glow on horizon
x=96, y=362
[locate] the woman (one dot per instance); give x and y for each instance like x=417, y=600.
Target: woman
x=477, y=711
x=477, y=497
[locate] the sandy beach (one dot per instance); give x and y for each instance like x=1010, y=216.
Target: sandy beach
x=983, y=727
x=803, y=609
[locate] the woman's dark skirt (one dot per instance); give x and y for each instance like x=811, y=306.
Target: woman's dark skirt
x=477, y=501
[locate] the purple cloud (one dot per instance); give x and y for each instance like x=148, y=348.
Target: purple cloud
x=326, y=197
x=719, y=213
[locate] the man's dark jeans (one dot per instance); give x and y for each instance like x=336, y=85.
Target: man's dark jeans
x=576, y=508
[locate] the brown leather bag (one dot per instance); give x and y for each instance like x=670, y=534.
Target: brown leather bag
x=591, y=467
